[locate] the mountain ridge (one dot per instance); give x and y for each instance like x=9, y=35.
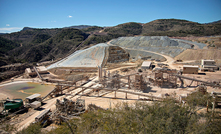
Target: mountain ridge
x=88, y=26
x=214, y=22
x=36, y=44
x=77, y=27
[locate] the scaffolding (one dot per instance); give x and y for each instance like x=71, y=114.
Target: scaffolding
x=67, y=109
x=165, y=78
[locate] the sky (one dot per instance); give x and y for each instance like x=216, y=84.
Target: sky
x=16, y=14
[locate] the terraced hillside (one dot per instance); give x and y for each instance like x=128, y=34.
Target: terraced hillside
x=160, y=44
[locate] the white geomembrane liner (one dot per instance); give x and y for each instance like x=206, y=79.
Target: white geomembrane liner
x=90, y=57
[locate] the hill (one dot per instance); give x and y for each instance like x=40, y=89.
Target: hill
x=76, y=27
x=214, y=22
x=106, y=34
x=26, y=28
x=174, y=27
x=126, y=29
x=44, y=44
x=31, y=35
x=166, y=27
x=6, y=46
x=79, y=26
x=34, y=45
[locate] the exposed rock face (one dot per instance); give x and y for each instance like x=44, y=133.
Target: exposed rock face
x=139, y=54
x=117, y=54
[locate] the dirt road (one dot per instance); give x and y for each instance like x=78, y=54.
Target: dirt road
x=104, y=102
x=50, y=104
x=169, y=61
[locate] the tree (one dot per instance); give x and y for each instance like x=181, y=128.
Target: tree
x=141, y=117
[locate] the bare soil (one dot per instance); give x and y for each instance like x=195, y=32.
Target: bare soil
x=108, y=100
x=199, y=54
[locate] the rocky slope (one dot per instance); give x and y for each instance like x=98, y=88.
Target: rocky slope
x=160, y=44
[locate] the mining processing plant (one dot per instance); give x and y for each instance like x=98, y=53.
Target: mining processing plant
x=101, y=76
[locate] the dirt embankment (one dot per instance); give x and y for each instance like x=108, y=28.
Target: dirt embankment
x=191, y=54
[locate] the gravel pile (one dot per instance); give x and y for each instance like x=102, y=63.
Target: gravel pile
x=160, y=44
x=200, y=45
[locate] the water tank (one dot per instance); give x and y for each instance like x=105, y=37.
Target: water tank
x=13, y=104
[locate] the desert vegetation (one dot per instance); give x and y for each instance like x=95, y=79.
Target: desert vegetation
x=166, y=116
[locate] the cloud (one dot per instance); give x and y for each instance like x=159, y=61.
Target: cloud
x=69, y=16
x=10, y=29
x=7, y=25
x=52, y=21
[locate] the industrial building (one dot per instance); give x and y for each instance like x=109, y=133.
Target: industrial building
x=207, y=65
x=146, y=65
x=189, y=69
x=32, y=72
x=32, y=98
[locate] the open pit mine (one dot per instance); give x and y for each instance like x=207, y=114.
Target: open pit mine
x=126, y=69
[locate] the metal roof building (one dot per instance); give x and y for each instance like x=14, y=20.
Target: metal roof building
x=146, y=65
x=41, y=70
x=206, y=64
x=189, y=69
x=33, y=96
